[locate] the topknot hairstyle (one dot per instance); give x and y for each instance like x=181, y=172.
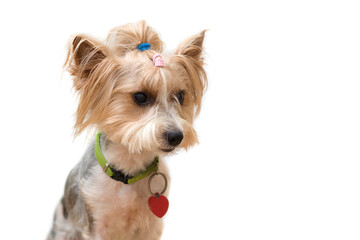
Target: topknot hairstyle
x=127, y=37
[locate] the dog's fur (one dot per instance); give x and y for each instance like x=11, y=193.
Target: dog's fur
x=106, y=76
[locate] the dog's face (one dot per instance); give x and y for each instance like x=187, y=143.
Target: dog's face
x=135, y=103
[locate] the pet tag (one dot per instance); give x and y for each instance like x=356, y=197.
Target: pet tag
x=158, y=203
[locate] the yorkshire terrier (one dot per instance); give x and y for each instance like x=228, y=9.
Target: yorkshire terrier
x=143, y=104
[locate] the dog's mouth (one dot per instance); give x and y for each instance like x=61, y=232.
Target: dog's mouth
x=167, y=150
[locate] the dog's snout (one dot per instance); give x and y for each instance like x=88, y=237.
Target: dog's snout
x=174, y=138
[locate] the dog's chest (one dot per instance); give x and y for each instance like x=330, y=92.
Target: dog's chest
x=121, y=211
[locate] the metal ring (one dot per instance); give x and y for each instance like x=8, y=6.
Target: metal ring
x=106, y=167
x=165, y=180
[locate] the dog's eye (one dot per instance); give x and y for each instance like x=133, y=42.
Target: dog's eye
x=141, y=98
x=180, y=97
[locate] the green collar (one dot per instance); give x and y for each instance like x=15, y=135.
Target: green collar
x=118, y=175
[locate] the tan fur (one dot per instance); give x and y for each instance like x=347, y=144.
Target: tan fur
x=105, y=76
x=126, y=38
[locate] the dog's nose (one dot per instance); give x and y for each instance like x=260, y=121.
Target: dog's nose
x=174, y=138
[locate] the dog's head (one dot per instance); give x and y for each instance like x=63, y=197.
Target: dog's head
x=138, y=104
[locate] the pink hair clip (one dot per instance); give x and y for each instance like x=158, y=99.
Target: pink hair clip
x=158, y=61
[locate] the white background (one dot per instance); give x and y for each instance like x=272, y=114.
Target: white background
x=279, y=131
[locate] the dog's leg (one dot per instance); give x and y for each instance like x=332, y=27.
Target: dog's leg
x=72, y=220
x=62, y=228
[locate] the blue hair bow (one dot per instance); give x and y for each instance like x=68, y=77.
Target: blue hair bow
x=143, y=46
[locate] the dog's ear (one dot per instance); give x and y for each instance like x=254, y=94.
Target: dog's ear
x=92, y=65
x=84, y=55
x=192, y=47
x=189, y=54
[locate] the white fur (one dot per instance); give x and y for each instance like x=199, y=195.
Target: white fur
x=121, y=211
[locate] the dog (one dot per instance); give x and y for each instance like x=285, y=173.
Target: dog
x=143, y=104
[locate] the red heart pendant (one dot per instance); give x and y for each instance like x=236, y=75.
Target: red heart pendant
x=158, y=205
